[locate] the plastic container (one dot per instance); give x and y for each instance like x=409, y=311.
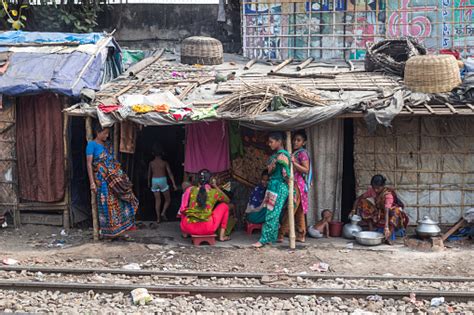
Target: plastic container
x=335, y=228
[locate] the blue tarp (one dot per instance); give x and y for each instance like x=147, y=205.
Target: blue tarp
x=18, y=37
x=37, y=72
x=30, y=73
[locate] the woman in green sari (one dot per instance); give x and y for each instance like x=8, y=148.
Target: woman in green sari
x=277, y=192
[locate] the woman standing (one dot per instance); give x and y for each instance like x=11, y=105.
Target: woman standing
x=116, y=203
x=302, y=171
x=380, y=206
x=277, y=191
x=204, y=209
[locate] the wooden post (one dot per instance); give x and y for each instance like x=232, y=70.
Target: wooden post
x=291, y=188
x=95, y=219
x=67, y=199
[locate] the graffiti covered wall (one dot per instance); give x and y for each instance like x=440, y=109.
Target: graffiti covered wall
x=326, y=29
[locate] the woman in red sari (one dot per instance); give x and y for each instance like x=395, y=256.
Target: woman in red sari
x=381, y=208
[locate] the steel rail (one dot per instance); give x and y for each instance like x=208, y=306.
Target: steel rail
x=203, y=274
x=232, y=291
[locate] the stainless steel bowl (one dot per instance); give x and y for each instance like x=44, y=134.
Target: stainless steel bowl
x=369, y=238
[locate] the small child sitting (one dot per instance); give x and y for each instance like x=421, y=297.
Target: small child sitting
x=321, y=228
x=257, y=197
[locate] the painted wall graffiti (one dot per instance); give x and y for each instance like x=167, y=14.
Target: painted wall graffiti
x=410, y=19
x=342, y=28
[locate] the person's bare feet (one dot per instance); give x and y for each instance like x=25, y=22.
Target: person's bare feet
x=301, y=240
x=224, y=239
x=258, y=245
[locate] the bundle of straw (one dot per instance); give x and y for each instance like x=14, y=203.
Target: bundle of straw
x=254, y=100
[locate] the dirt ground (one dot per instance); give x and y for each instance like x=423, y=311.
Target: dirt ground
x=42, y=245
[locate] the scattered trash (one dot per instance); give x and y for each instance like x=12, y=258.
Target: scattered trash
x=320, y=267
x=63, y=233
x=10, y=262
x=4, y=225
x=132, y=266
x=171, y=252
x=414, y=301
x=374, y=298
x=141, y=296
x=350, y=245
x=435, y=302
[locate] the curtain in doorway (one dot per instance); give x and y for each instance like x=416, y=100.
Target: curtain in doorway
x=40, y=148
x=326, y=146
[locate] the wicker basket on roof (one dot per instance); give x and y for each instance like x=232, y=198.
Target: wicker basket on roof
x=202, y=50
x=391, y=55
x=432, y=73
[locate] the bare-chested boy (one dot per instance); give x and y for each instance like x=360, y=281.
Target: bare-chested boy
x=158, y=170
x=321, y=228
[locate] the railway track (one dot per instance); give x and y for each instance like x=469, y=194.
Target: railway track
x=213, y=284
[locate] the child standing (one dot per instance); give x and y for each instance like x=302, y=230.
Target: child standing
x=158, y=170
x=322, y=227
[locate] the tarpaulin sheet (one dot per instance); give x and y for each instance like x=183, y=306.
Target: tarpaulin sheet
x=30, y=73
x=18, y=37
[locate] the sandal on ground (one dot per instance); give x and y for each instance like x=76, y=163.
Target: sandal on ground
x=226, y=238
x=258, y=245
x=301, y=240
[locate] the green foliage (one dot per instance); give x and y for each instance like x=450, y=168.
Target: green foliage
x=13, y=14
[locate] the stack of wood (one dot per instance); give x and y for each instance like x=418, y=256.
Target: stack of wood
x=254, y=100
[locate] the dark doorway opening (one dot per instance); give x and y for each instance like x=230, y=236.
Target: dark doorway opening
x=171, y=140
x=348, y=181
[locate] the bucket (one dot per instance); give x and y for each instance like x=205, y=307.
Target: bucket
x=335, y=228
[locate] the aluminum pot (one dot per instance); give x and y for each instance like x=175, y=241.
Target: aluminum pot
x=427, y=228
x=350, y=229
x=369, y=238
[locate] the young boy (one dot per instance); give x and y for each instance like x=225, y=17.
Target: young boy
x=322, y=227
x=158, y=170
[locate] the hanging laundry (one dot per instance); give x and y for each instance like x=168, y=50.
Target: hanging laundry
x=205, y=113
x=207, y=147
x=143, y=108
x=108, y=108
x=180, y=114
x=128, y=137
x=163, y=108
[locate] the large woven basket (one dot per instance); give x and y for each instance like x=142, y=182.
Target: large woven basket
x=202, y=50
x=432, y=73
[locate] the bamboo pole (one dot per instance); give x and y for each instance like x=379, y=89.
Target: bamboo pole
x=291, y=205
x=250, y=64
x=304, y=64
x=95, y=221
x=67, y=200
x=281, y=65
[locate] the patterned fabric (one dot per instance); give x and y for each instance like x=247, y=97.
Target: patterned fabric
x=196, y=214
x=376, y=213
x=116, y=203
x=257, y=196
x=300, y=223
x=302, y=180
x=255, y=212
x=278, y=188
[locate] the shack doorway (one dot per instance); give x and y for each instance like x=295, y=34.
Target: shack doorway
x=171, y=140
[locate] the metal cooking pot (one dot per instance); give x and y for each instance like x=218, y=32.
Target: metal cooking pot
x=427, y=228
x=369, y=238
